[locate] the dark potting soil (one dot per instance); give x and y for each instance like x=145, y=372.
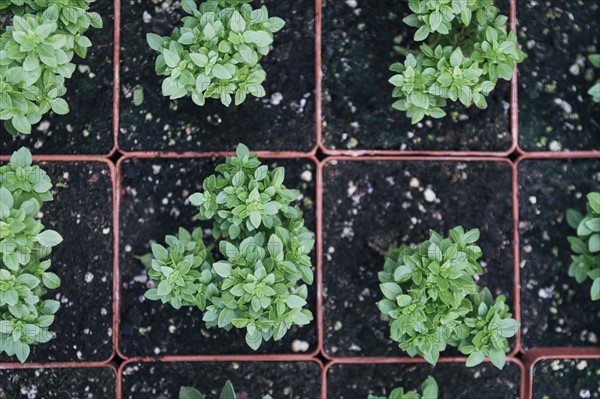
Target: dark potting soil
x=58, y=383
x=82, y=213
x=358, y=41
x=566, y=378
x=372, y=205
x=455, y=381
x=297, y=380
x=556, y=310
x=156, y=205
x=87, y=129
x=282, y=120
x=555, y=110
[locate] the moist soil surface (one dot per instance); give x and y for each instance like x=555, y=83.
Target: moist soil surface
x=556, y=310
x=555, y=110
x=156, y=205
x=82, y=213
x=455, y=381
x=58, y=383
x=87, y=129
x=297, y=380
x=373, y=205
x=358, y=49
x=566, y=378
x=282, y=120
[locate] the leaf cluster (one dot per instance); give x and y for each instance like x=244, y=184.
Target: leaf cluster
x=594, y=91
x=585, y=261
x=226, y=393
x=429, y=388
x=264, y=254
x=432, y=300
x=36, y=53
x=466, y=50
x=216, y=53
x=24, y=276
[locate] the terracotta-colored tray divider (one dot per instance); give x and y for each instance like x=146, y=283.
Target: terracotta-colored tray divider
x=531, y=357
x=119, y=295
x=514, y=111
x=116, y=76
x=115, y=268
x=535, y=355
x=209, y=359
x=418, y=360
x=516, y=271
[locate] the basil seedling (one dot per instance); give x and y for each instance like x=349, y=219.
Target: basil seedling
x=431, y=300
x=24, y=243
x=466, y=51
x=586, y=246
x=226, y=393
x=36, y=51
x=256, y=283
x=216, y=53
x=429, y=388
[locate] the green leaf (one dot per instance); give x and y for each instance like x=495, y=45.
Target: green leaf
x=21, y=124
x=595, y=290
x=223, y=269
x=508, y=327
x=498, y=359
x=220, y=72
x=164, y=288
x=228, y=392
x=155, y=41
x=474, y=359
x=51, y=280
x=59, y=106
x=294, y=301
x=159, y=252
x=189, y=393
x=49, y=238
x=171, y=58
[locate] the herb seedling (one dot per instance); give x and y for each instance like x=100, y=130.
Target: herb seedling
x=466, y=51
x=216, y=53
x=586, y=246
x=429, y=388
x=432, y=300
x=36, y=51
x=24, y=276
x=594, y=91
x=226, y=393
x=264, y=254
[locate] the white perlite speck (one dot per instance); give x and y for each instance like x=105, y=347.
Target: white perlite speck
x=89, y=277
x=429, y=195
x=414, y=182
x=146, y=17
x=300, y=346
x=306, y=176
x=276, y=98
x=533, y=200
x=351, y=3
x=554, y=146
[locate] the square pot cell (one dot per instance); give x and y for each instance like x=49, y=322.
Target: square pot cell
x=68, y=382
x=370, y=206
x=153, y=204
x=283, y=120
x=353, y=381
x=87, y=128
x=556, y=310
x=566, y=378
x=555, y=110
x=293, y=380
x=82, y=213
x=358, y=50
